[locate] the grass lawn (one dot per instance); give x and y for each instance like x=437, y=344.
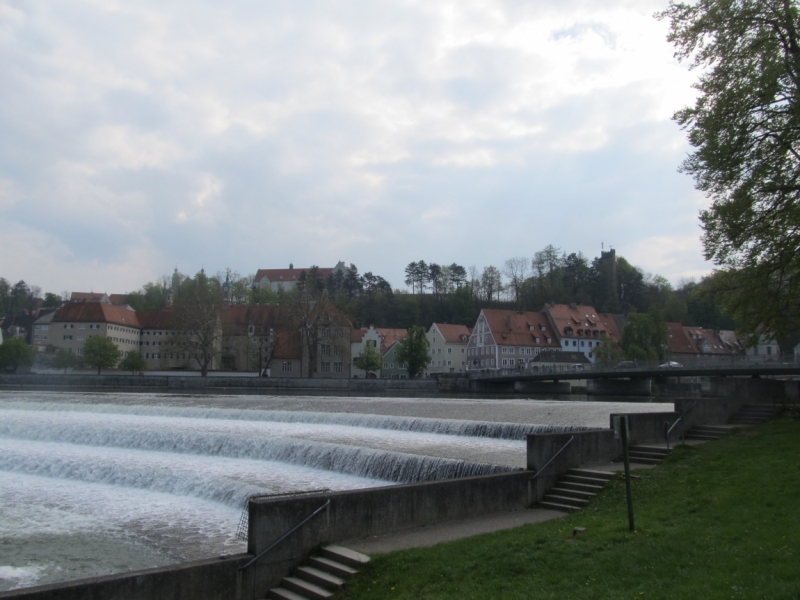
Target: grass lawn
x=720, y=520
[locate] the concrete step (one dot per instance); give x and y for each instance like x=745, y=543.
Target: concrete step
x=641, y=454
x=580, y=487
x=565, y=500
x=280, y=593
x=320, y=578
x=711, y=429
x=569, y=493
x=649, y=449
x=348, y=557
x=590, y=481
x=305, y=588
x=556, y=506
x=747, y=421
x=331, y=566
x=592, y=474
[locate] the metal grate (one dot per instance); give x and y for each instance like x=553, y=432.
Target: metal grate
x=244, y=519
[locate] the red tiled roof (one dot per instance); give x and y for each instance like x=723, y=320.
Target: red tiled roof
x=581, y=319
x=697, y=340
x=515, y=328
x=287, y=345
x=85, y=312
x=117, y=299
x=454, y=334
x=237, y=318
x=156, y=319
x=389, y=337
x=278, y=275
x=356, y=335
x=86, y=296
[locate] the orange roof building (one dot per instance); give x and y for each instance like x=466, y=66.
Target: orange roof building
x=509, y=339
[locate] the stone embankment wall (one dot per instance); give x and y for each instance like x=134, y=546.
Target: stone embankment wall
x=222, y=384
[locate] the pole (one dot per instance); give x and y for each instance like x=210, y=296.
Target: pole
x=627, y=471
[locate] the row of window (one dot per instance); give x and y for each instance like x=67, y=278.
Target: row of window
x=399, y=365
x=325, y=367
x=327, y=350
x=583, y=343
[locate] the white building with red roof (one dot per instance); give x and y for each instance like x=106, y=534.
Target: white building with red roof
x=448, y=348
x=286, y=279
x=580, y=328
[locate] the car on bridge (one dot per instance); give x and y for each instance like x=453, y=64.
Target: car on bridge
x=626, y=365
x=671, y=365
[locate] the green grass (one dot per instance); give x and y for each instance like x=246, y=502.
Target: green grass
x=720, y=520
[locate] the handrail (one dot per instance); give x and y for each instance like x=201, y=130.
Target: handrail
x=547, y=464
x=287, y=534
x=678, y=420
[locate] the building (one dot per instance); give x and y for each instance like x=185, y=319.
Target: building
x=580, y=328
x=448, y=348
x=766, y=349
x=697, y=343
x=509, y=339
x=41, y=330
x=392, y=368
x=379, y=338
x=89, y=297
x=76, y=322
x=286, y=279
x=559, y=362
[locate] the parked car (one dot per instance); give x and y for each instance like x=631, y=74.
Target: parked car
x=671, y=365
x=626, y=365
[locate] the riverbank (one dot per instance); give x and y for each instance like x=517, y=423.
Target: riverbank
x=713, y=521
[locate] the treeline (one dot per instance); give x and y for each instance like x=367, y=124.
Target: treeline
x=449, y=293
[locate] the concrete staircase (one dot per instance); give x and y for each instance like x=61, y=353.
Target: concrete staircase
x=647, y=455
x=322, y=576
x=754, y=414
x=707, y=433
x=575, y=489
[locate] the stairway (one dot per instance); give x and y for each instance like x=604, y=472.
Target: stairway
x=754, y=414
x=575, y=489
x=647, y=455
x=707, y=433
x=321, y=576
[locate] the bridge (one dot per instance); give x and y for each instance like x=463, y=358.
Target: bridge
x=598, y=372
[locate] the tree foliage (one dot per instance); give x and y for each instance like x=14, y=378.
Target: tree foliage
x=197, y=327
x=414, y=350
x=101, y=352
x=369, y=359
x=16, y=353
x=133, y=362
x=745, y=128
x=645, y=336
x=64, y=359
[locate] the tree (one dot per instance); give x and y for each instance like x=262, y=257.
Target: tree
x=491, y=283
x=16, y=353
x=101, y=352
x=64, y=359
x=316, y=317
x=645, y=336
x=51, y=300
x=516, y=269
x=133, y=362
x=745, y=128
x=414, y=350
x=197, y=327
x=369, y=359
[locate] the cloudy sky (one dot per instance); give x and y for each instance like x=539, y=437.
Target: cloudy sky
x=136, y=136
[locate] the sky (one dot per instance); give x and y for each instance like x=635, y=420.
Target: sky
x=137, y=137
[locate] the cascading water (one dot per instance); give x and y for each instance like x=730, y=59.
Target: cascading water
x=92, y=484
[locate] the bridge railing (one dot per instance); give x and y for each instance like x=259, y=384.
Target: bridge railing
x=674, y=364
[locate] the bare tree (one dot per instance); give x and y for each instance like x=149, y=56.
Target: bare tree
x=516, y=269
x=197, y=324
x=319, y=322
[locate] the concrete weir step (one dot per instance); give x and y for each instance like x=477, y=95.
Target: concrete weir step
x=753, y=414
x=575, y=489
x=322, y=576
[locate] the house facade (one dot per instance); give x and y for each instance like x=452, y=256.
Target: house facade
x=448, y=348
x=509, y=339
x=580, y=328
x=74, y=323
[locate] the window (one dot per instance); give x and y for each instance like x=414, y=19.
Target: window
x=326, y=332
x=769, y=349
x=147, y=355
x=449, y=363
x=385, y=365
x=505, y=362
x=67, y=337
x=338, y=367
x=325, y=367
x=538, y=340
x=371, y=343
x=326, y=350
x=505, y=350
x=156, y=355
x=574, y=343
x=286, y=367
x=81, y=338
x=337, y=350
x=80, y=351
x=81, y=326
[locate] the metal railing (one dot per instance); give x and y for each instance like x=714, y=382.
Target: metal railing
x=547, y=464
x=258, y=556
x=682, y=422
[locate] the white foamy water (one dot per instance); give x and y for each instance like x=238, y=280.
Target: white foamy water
x=100, y=483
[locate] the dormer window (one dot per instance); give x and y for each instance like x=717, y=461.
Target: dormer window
x=580, y=331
